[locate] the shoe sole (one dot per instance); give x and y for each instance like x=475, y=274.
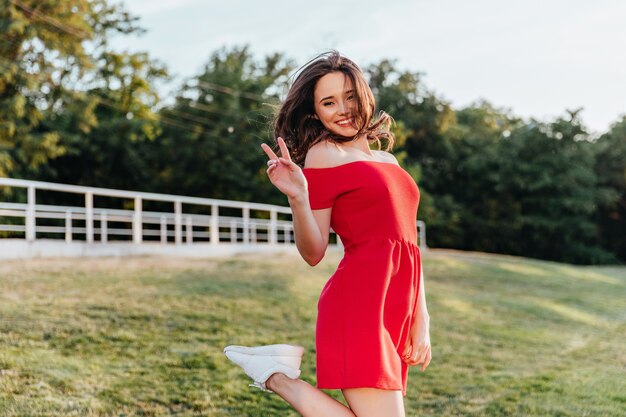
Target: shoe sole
x=285, y=364
x=268, y=350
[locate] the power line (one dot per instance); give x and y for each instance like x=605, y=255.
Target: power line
x=79, y=33
x=174, y=112
x=83, y=35
x=231, y=91
x=166, y=120
x=199, y=106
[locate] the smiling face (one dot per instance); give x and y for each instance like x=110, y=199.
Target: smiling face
x=335, y=104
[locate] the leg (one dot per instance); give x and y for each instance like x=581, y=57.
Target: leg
x=308, y=400
x=373, y=402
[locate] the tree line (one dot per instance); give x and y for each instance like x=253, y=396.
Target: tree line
x=73, y=110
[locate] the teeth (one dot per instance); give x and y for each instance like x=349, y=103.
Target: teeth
x=346, y=122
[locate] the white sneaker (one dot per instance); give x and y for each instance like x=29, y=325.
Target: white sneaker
x=261, y=362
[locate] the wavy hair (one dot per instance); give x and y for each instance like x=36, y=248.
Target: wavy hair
x=295, y=121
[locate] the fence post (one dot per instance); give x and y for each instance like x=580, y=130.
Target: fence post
x=104, y=238
x=233, y=231
x=89, y=216
x=246, y=224
x=272, y=231
x=178, y=222
x=421, y=228
x=215, y=227
x=189, y=227
x=68, y=226
x=31, y=233
x=137, y=222
x=163, y=230
x=287, y=233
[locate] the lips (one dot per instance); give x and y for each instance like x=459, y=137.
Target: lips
x=345, y=122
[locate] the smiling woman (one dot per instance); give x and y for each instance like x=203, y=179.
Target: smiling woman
x=372, y=320
x=334, y=104
x=330, y=100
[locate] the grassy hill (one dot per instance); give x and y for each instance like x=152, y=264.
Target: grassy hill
x=144, y=336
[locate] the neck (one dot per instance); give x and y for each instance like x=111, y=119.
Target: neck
x=361, y=144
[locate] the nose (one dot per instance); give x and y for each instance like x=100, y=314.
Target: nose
x=343, y=108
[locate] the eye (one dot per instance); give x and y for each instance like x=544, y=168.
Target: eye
x=351, y=97
x=327, y=103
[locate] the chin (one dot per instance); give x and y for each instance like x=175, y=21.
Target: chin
x=346, y=133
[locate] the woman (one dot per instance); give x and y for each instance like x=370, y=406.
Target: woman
x=372, y=317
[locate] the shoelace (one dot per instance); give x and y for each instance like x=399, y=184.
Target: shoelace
x=260, y=386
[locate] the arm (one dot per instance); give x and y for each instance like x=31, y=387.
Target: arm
x=422, y=311
x=311, y=227
x=417, y=348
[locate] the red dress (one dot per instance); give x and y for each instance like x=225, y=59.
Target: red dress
x=366, y=308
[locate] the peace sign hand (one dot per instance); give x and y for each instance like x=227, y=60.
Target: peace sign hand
x=285, y=174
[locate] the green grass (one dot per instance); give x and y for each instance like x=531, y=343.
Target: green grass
x=144, y=336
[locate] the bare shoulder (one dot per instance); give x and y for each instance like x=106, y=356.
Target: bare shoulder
x=323, y=154
x=386, y=156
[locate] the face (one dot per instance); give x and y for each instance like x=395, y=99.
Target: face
x=335, y=103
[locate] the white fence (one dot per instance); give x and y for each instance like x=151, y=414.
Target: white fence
x=181, y=225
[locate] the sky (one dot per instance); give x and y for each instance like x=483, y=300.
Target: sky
x=532, y=58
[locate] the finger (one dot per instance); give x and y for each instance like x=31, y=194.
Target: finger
x=415, y=357
x=270, y=153
x=287, y=163
x=421, y=357
x=406, y=352
x=271, y=168
x=411, y=361
x=284, y=151
x=427, y=361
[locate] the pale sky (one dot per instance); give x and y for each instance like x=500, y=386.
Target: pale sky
x=536, y=58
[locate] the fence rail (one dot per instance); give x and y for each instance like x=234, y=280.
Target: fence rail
x=189, y=220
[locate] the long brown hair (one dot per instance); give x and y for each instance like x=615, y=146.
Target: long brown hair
x=295, y=121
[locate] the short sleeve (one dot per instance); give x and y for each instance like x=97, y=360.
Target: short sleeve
x=323, y=190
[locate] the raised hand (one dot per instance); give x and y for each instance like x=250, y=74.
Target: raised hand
x=285, y=174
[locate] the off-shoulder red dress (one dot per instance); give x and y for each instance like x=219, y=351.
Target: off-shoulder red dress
x=366, y=308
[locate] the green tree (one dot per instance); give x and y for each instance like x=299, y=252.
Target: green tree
x=476, y=137
x=211, y=146
x=611, y=170
x=110, y=151
x=48, y=52
x=549, y=174
x=422, y=120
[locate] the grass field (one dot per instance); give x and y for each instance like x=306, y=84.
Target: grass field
x=144, y=336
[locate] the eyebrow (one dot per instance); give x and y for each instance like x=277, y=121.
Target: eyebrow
x=326, y=98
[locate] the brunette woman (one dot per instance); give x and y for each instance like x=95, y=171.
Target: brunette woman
x=372, y=318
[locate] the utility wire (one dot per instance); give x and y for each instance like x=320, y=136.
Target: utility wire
x=41, y=16
x=199, y=106
x=83, y=35
x=172, y=112
x=160, y=117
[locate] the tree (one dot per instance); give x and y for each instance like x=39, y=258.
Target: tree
x=110, y=151
x=421, y=122
x=610, y=168
x=550, y=175
x=211, y=147
x=48, y=54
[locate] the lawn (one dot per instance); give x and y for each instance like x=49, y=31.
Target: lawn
x=144, y=336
